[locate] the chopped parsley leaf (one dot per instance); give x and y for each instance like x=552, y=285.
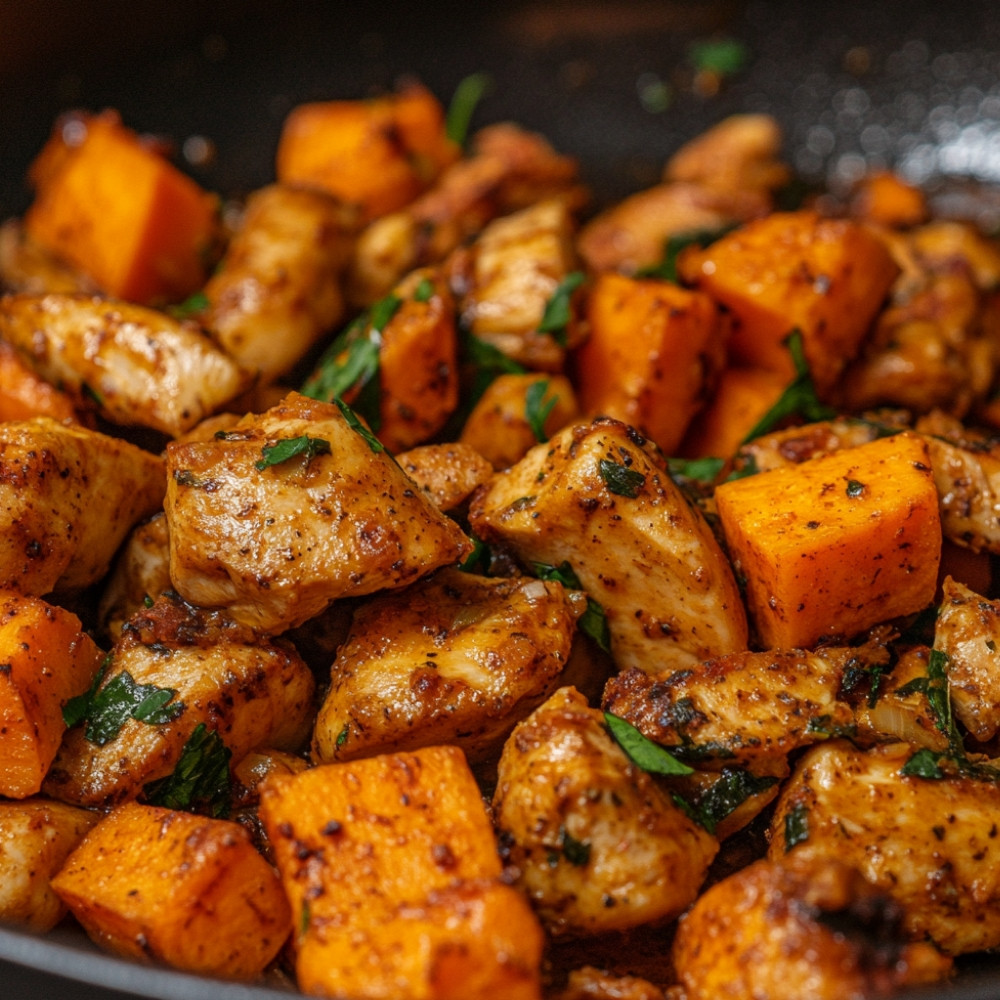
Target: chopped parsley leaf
x=557, y=311
x=537, y=408
x=796, y=826
x=106, y=709
x=200, y=781
x=621, y=480
x=798, y=399
x=641, y=750
x=285, y=451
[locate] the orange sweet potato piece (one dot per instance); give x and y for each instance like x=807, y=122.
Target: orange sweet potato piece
x=45, y=659
x=122, y=214
x=377, y=155
x=835, y=544
x=825, y=277
x=742, y=396
x=401, y=895
x=653, y=350
x=499, y=427
x=885, y=198
x=152, y=883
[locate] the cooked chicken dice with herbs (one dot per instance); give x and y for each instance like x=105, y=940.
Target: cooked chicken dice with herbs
x=179, y=682
x=924, y=833
x=454, y=658
x=588, y=834
x=509, y=276
x=293, y=508
x=136, y=366
x=596, y=498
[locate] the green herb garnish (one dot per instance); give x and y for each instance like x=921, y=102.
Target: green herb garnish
x=798, y=399
x=666, y=270
x=731, y=789
x=923, y=764
x=557, y=311
x=537, y=408
x=424, y=291
x=191, y=306
x=724, y=56
x=468, y=94
x=285, y=451
x=352, y=361
x=78, y=708
x=354, y=422
x=107, y=709
x=200, y=780
x=621, y=480
x=796, y=826
x=701, y=470
x=593, y=621
x=641, y=750
x=934, y=687
x=576, y=852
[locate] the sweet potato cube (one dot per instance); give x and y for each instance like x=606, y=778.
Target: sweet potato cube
x=653, y=350
x=377, y=155
x=152, y=883
x=796, y=270
x=123, y=214
x=742, y=396
x=392, y=871
x=500, y=425
x=836, y=544
x=45, y=659
x=35, y=838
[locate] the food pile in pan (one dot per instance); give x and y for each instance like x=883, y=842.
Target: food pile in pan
x=418, y=584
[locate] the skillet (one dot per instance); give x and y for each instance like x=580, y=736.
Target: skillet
x=912, y=85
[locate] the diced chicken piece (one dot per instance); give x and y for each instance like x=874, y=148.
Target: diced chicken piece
x=597, y=845
x=447, y=473
x=36, y=837
x=968, y=631
x=931, y=351
x=799, y=929
x=68, y=498
x=250, y=691
x=751, y=709
x=138, y=366
x=507, y=279
x=598, y=498
x=277, y=290
x=456, y=658
x=896, y=706
x=632, y=235
x=275, y=539
x=140, y=574
x=966, y=466
x=929, y=843
x=738, y=154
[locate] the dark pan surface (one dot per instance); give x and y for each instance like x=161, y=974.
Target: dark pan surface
x=906, y=84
